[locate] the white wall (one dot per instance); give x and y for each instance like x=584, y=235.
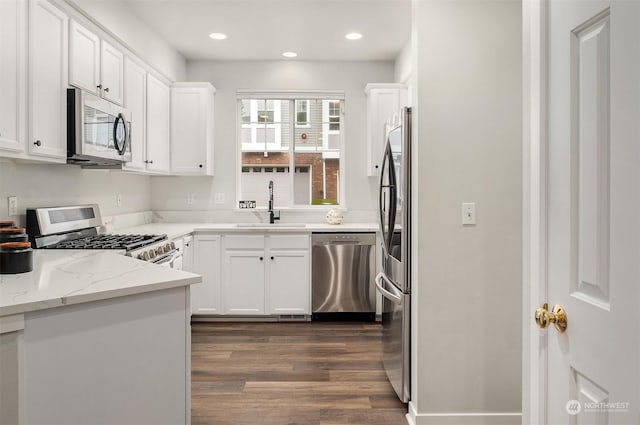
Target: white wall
x=118, y=18
x=467, y=281
x=402, y=66
x=170, y=193
x=40, y=185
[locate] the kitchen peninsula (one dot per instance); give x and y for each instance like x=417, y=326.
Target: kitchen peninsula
x=95, y=337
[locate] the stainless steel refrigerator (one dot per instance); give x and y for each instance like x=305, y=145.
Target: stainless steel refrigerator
x=393, y=282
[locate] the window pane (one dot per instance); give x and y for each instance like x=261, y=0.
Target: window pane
x=245, y=111
x=257, y=171
x=267, y=126
x=309, y=137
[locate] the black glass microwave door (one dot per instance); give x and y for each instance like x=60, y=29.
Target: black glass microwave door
x=387, y=199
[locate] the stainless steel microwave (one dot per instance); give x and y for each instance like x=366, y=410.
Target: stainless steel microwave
x=98, y=131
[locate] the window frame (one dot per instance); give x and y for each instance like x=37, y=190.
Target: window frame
x=292, y=96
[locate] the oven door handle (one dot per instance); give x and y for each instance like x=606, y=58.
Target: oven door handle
x=168, y=259
x=174, y=258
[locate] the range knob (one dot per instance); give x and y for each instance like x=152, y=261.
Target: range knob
x=167, y=248
x=159, y=251
x=173, y=245
x=144, y=256
x=152, y=254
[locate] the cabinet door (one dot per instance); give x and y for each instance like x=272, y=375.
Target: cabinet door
x=206, y=296
x=188, y=130
x=383, y=100
x=48, y=80
x=112, y=73
x=158, y=106
x=289, y=282
x=244, y=282
x=12, y=74
x=84, y=58
x=135, y=100
x=187, y=253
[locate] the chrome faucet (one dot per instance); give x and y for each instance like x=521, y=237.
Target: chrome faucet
x=272, y=216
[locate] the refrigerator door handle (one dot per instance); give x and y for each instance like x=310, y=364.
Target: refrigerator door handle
x=385, y=293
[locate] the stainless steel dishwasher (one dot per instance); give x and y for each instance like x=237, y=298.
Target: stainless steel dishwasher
x=342, y=276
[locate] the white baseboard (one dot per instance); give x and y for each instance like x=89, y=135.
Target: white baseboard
x=455, y=418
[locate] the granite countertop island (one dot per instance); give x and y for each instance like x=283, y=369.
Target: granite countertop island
x=88, y=332
x=65, y=277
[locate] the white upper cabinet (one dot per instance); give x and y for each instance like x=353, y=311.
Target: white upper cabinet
x=94, y=64
x=13, y=71
x=135, y=100
x=383, y=100
x=112, y=73
x=158, y=122
x=48, y=80
x=192, y=128
x=84, y=58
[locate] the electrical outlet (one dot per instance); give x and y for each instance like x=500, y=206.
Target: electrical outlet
x=218, y=198
x=13, y=205
x=191, y=198
x=468, y=213
x=118, y=200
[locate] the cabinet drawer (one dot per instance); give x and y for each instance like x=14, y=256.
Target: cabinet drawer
x=244, y=242
x=289, y=241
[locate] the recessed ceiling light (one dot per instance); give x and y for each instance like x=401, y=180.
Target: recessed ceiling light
x=289, y=54
x=353, y=36
x=218, y=36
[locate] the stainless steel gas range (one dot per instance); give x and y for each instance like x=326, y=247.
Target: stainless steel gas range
x=78, y=227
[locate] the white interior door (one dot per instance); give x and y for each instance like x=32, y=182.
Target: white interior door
x=593, y=198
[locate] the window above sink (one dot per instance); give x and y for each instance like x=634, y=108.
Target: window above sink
x=295, y=140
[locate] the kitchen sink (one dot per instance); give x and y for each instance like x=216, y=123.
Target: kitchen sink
x=271, y=225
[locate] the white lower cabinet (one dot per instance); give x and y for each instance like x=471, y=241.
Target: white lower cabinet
x=289, y=282
x=244, y=282
x=205, y=296
x=187, y=253
x=257, y=274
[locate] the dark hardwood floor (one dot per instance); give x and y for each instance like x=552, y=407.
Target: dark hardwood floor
x=314, y=373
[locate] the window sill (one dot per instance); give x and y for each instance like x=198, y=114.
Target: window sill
x=305, y=209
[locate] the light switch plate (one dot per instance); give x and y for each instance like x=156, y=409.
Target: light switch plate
x=13, y=205
x=468, y=213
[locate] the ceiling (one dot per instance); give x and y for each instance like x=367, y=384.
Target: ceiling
x=264, y=29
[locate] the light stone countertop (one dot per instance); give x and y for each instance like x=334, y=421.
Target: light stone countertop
x=175, y=230
x=64, y=277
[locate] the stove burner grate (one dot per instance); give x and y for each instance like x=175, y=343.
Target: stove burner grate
x=128, y=242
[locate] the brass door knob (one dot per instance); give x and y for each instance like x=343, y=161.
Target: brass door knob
x=557, y=316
